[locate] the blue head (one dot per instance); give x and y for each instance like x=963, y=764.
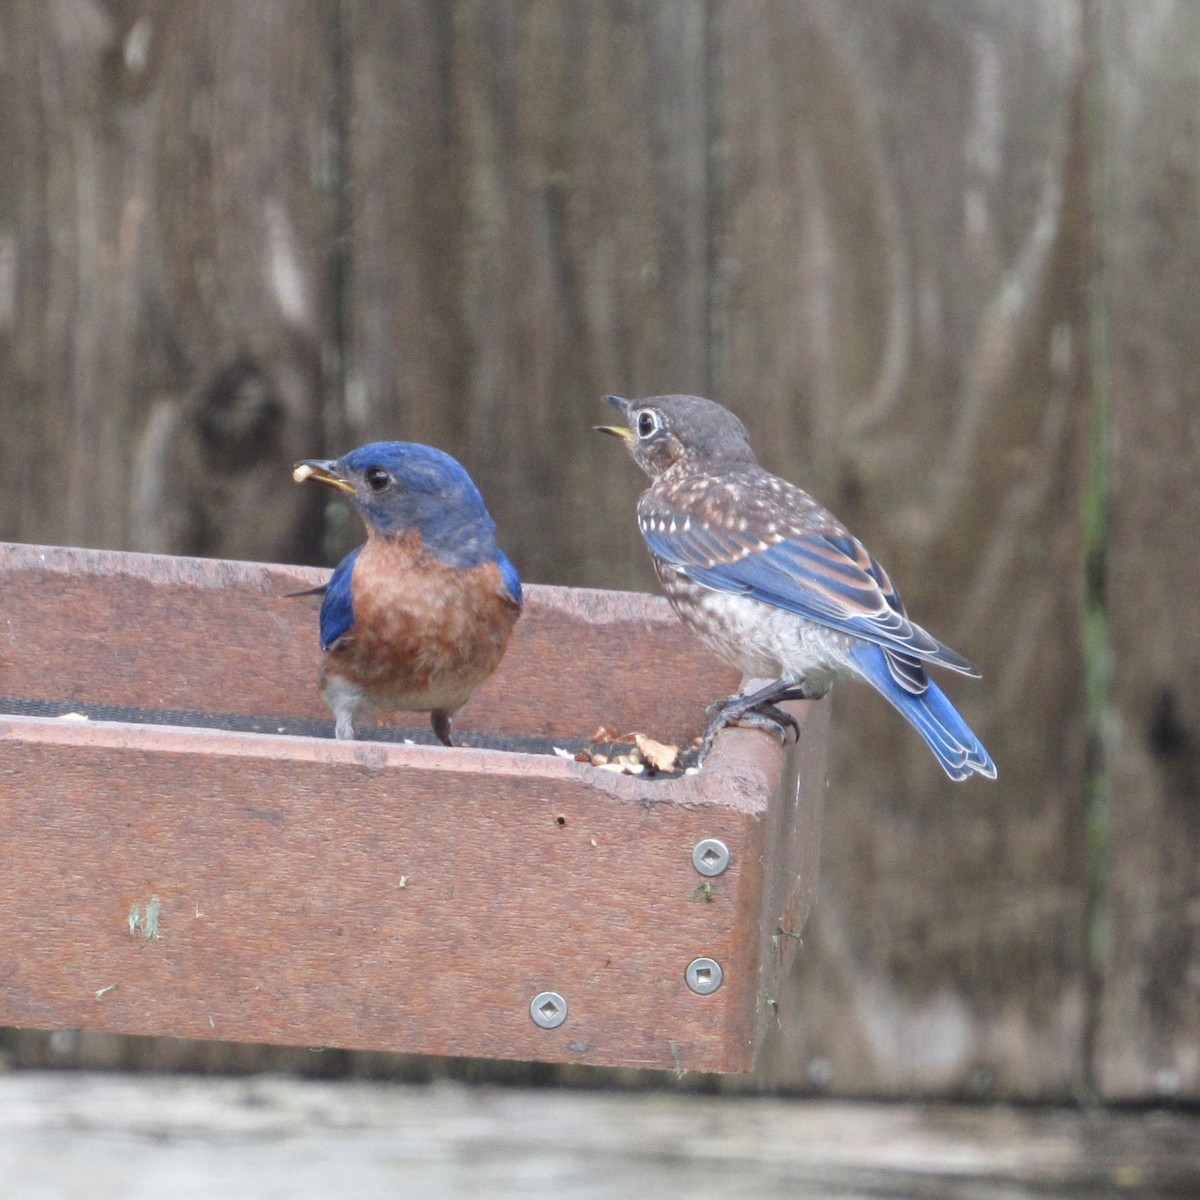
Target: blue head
x=399, y=487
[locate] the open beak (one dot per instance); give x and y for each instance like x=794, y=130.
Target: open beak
x=323, y=471
x=621, y=431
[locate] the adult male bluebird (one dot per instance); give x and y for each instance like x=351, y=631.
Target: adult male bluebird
x=419, y=616
x=775, y=584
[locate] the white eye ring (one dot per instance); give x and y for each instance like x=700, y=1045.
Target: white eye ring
x=648, y=423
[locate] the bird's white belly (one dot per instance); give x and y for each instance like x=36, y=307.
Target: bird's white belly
x=757, y=638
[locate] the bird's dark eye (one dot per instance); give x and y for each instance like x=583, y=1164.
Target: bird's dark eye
x=377, y=479
x=647, y=423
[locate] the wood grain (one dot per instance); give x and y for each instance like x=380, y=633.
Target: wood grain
x=900, y=220
x=537, y=173
x=1148, y=1038
x=166, y=293
x=60, y=1132
x=235, y=235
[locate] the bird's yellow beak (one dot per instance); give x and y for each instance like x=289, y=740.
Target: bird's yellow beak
x=323, y=471
x=621, y=431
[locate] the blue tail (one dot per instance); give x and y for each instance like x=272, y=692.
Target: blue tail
x=931, y=714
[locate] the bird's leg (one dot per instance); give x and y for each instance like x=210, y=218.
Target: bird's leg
x=440, y=720
x=758, y=710
x=345, y=699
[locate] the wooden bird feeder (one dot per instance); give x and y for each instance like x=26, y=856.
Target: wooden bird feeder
x=187, y=851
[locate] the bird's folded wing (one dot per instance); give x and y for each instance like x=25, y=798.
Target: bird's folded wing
x=337, y=609
x=829, y=578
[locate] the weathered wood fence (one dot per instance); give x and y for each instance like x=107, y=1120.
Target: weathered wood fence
x=942, y=258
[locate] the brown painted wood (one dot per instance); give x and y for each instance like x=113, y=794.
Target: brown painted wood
x=363, y=895
x=900, y=324
x=201, y=635
x=1148, y=1036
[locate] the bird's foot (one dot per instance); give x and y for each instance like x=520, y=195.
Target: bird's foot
x=757, y=711
x=766, y=717
x=440, y=720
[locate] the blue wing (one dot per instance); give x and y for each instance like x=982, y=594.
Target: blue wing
x=337, y=609
x=508, y=573
x=796, y=557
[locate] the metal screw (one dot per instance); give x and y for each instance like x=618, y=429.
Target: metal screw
x=548, y=1009
x=704, y=976
x=710, y=857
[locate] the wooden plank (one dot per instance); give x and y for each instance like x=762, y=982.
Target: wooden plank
x=61, y=1133
x=529, y=232
x=313, y=893
x=899, y=223
x=163, y=227
x=1148, y=87
x=377, y=896
x=163, y=632
x=245, y=213
x=74, y=223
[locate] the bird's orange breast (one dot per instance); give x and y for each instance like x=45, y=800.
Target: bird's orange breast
x=425, y=634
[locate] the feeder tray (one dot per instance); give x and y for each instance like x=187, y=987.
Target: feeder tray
x=189, y=853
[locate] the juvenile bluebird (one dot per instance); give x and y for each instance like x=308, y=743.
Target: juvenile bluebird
x=775, y=584
x=418, y=617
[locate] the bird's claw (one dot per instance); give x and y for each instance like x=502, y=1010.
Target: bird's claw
x=752, y=712
x=769, y=717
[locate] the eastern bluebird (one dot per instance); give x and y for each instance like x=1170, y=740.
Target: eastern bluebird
x=419, y=616
x=775, y=584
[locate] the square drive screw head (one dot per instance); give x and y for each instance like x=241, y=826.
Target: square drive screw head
x=548, y=1009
